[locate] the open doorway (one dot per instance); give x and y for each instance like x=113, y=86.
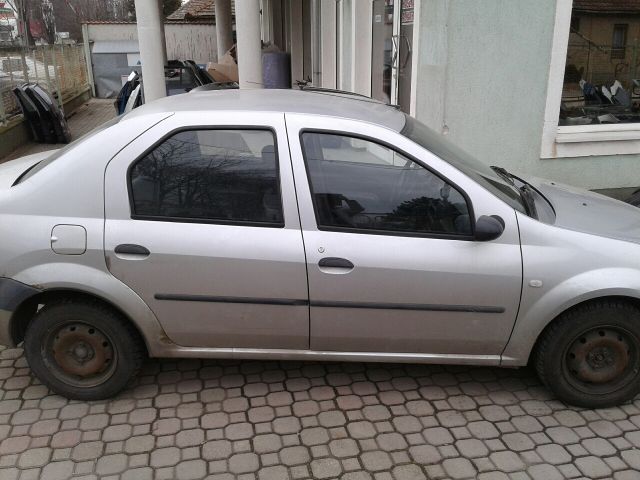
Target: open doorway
x=391, y=52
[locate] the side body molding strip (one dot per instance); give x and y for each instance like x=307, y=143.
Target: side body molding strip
x=323, y=304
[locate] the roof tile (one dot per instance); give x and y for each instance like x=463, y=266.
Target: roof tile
x=607, y=6
x=197, y=9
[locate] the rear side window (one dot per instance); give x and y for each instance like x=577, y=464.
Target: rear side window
x=360, y=185
x=212, y=176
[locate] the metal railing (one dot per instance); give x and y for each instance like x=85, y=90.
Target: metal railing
x=61, y=69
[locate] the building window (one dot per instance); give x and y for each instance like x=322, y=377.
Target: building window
x=619, y=42
x=602, y=73
x=210, y=176
x=575, y=24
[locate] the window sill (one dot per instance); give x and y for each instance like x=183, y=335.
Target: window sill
x=594, y=140
x=598, y=133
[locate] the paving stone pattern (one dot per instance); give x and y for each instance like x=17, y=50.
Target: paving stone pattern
x=249, y=420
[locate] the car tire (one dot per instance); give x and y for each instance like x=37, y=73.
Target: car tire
x=590, y=355
x=83, y=350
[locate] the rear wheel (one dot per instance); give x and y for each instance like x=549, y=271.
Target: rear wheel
x=590, y=356
x=82, y=350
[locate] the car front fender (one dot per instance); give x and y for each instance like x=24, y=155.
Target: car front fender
x=541, y=305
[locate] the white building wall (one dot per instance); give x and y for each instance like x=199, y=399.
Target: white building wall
x=482, y=80
x=185, y=41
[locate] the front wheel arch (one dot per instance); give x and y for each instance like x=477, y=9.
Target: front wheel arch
x=589, y=355
x=635, y=302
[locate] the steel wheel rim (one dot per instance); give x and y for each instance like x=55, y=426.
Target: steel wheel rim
x=79, y=354
x=601, y=360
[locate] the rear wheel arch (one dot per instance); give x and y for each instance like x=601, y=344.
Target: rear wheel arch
x=28, y=308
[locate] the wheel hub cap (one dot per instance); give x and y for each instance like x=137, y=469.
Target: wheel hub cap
x=599, y=356
x=81, y=350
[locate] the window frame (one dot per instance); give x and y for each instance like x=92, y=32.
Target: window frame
x=393, y=233
x=206, y=221
x=620, y=53
x=570, y=141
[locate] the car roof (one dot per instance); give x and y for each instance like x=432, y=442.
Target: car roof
x=316, y=102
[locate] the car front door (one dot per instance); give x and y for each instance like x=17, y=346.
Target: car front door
x=202, y=223
x=392, y=263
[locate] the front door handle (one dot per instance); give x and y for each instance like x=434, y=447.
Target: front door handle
x=132, y=249
x=335, y=262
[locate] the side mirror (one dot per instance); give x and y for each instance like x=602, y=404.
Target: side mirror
x=489, y=228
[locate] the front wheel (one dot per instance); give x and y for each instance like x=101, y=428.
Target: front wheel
x=82, y=350
x=590, y=356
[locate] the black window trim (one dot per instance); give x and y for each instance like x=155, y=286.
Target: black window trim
x=206, y=221
x=393, y=233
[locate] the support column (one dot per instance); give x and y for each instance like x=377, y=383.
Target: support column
x=297, y=41
x=150, y=39
x=224, y=32
x=163, y=44
x=249, y=44
x=361, y=45
x=328, y=36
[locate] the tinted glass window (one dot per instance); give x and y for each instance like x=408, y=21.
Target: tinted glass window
x=216, y=175
x=363, y=185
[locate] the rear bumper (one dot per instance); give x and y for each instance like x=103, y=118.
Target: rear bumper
x=12, y=294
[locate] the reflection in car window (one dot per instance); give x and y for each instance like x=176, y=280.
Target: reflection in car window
x=222, y=176
x=359, y=184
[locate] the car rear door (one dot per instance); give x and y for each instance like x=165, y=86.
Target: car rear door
x=392, y=263
x=202, y=223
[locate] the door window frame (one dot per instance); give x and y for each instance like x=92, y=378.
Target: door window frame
x=206, y=221
x=393, y=233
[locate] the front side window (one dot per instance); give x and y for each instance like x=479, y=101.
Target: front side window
x=361, y=185
x=217, y=176
x=601, y=75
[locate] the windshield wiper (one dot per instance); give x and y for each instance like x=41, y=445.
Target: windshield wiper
x=525, y=191
x=504, y=174
x=529, y=201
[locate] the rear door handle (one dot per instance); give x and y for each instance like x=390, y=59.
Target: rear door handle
x=335, y=262
x=132, y=249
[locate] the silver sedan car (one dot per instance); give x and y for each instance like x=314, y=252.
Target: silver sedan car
x=308, y=226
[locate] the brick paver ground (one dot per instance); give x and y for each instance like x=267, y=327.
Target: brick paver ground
x=279, y=420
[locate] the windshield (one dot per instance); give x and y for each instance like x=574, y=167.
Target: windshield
x=467, y=164
x=31, y=171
